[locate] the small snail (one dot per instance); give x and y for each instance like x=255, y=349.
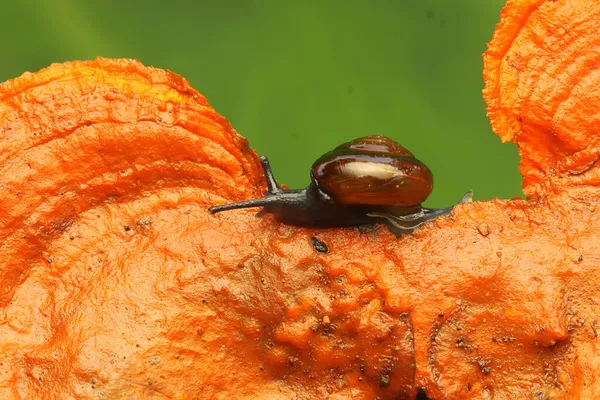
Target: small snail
x=368, y=180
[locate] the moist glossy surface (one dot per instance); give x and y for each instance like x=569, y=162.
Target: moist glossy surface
x=373, y=170
x=350, y=177
x=375, y=144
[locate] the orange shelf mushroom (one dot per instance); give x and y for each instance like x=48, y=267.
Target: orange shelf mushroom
x=117, y=282
x=542, y=91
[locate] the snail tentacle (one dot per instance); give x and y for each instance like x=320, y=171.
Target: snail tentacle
x=272, y=184
x=262, y=202
x=274, y=190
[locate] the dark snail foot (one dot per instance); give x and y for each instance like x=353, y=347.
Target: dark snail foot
x=404, y=224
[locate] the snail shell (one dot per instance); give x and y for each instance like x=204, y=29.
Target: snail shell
x=372, y=170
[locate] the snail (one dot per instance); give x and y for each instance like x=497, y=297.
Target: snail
x=368, y=180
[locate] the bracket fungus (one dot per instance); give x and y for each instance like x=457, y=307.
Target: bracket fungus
x=118, y=283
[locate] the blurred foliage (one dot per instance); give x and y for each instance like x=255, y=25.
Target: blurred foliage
x=298, y=78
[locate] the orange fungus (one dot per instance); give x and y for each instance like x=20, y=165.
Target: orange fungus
x=117, y=282
x=543, y=90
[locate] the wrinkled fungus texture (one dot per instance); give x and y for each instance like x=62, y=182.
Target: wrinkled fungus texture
x=117, y=282
x=543, y=90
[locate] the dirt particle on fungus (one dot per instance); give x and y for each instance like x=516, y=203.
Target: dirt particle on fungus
x=144, y=221
x=292, y=359
x=50, y=261
x=384, y=380
x=319, y=245
x=127, y=228
x=485, y=366
x=483, y=229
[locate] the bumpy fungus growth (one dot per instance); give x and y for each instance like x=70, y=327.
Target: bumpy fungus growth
x=543, y=91
x=117, y=282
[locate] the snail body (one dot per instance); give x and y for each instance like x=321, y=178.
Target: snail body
x=368, y=180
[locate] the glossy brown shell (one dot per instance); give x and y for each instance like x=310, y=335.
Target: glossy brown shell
x=373, y=170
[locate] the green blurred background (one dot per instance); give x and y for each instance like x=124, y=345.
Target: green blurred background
x=298, y=78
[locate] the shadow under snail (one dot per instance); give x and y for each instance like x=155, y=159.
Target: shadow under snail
x=368, y=180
